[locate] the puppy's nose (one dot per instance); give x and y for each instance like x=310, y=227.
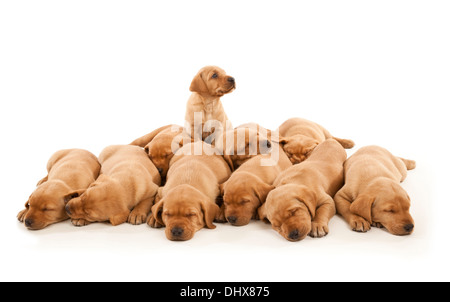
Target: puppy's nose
x=232, y=219
x=293, y=234
x=160, y=170
x=231, y=79
x=68, y=209
x=408, y=227
x=177, y=231
x=28, y=222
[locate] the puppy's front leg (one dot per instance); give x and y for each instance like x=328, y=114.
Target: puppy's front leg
x=22, y=214
x=79, y=222
x=343, y=202
x=139, y=214
x=326, y=210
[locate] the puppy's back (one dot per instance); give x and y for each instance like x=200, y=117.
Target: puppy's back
x=324, y=168
x=373, y=161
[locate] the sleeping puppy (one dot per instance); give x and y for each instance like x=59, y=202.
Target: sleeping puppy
x=372, y=194
x=247, y=188
x=299, y=137
x=161, y=144
x=187, y=201
x=241, y=144
x=128, y=182
x=68, y=170
x=204, y=110
x=302, y=202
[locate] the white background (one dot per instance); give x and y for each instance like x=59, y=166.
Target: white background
x=87, y=74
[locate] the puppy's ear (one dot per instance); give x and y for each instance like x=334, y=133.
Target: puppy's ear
x=261, y=190
x=362, y=206
x=198, y=84
x=73, y=194
x=157, y=211
x=221, y=188
x=262, y=213
x=42, y=181
x=210, y=211
x=227, y=158
x=119, y=218
x=308, y=197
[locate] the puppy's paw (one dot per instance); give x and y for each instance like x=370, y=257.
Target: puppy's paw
x=21, y=215
x=318, y=229
x=151, y=221
x=137, y=217
x=80, y=222
x=377, y=225
x=359, y=224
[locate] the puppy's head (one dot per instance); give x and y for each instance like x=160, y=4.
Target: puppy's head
x=298, y=147
x=243, y=194
x=184, y=211
x=387, y=203
x=45, y=205
x=240, y=144
x=290, y=209
x=102, y=201
x=162, y=148
x=213, y=81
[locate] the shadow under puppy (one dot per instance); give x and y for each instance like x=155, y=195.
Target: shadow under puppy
x=161, y=144
x=187, y=201
x=299, y=137
x=128, y=182
x=68, y=170
x=247, y=188
x=372, y=194
x=302, y=202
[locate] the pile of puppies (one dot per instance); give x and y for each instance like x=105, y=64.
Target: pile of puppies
x=186, y=178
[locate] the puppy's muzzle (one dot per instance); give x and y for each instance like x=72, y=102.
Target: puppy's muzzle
x=177, y=232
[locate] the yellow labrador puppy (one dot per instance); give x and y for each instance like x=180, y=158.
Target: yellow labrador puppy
x=210, y=83
x=302, y=201
x=300, y=136
x=372, y=194
x=187, y=202
x=68, y=170
x=247, y=188
x=125, y=189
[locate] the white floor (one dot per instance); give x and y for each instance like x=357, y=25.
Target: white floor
x=90, y=74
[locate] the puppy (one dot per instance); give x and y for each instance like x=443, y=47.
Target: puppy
x=302, y=202
x=128, y=182
x=160, y=145
x=241, y=144
x=247, y=188
x=372, y=194
x=187, y=201
x=210, y=83
x=299, y=137
x=68, y=170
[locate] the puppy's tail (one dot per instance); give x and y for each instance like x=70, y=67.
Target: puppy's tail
x=410, y=164
x=346, y=143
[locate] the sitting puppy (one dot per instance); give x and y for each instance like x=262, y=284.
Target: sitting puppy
x=302, y=202
x=204, y=110
x=187, y=201
x=372, y=194
x=247, y=188
x=241, y=144
x=160, y=145
x=128, y=182
x=299, y=137
x=68, y=170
